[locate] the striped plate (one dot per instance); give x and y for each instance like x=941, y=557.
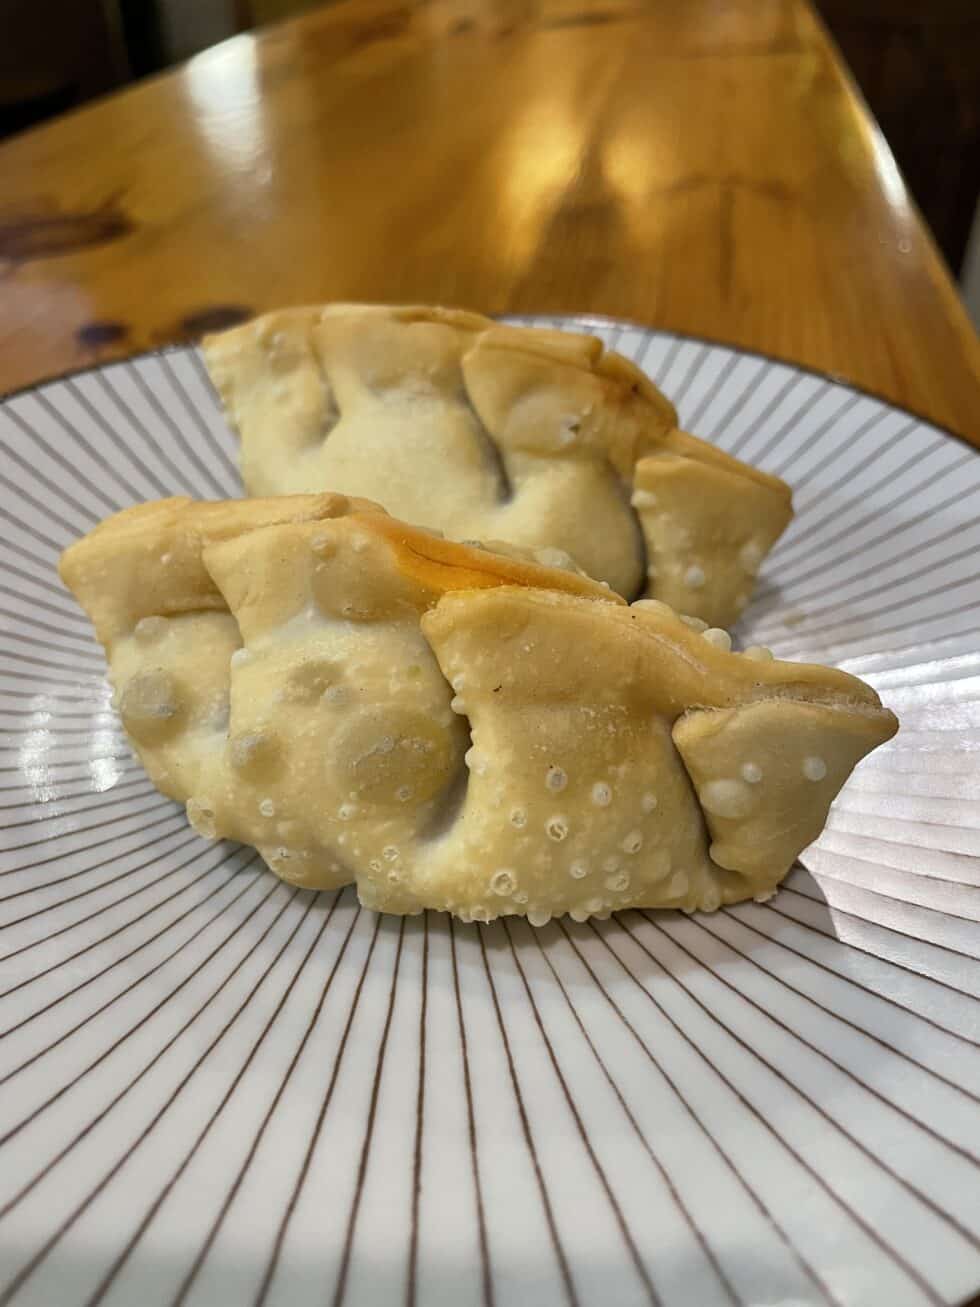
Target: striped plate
x=218, y=1089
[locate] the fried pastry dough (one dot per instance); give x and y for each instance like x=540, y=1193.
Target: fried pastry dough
x=485, y=431
x=450, y=727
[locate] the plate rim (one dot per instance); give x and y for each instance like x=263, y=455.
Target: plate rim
x=581, y=320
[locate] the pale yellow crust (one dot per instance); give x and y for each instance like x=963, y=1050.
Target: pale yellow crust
x=452, y=728
x=147, y=560
x=541, y=438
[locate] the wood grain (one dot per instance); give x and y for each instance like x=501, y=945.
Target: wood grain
x=705, y=168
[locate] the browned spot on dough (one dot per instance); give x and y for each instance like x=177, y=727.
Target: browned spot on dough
x=214, y=318
x=45, y=231
x=95, y=334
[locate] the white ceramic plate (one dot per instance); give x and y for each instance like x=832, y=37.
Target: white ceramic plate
x=218, y=1089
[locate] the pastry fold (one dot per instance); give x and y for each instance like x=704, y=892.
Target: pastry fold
x=452, y=727
x=541, y=438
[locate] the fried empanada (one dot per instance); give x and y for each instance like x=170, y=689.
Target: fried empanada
x=536, y=437
x=455, y=728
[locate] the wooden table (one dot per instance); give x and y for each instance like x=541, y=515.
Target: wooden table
x=706, y=167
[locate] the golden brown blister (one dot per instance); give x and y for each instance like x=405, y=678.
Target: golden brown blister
x=540, y=438
x=453, y=728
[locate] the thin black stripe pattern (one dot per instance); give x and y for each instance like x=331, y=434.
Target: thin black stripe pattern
x=216, y=1088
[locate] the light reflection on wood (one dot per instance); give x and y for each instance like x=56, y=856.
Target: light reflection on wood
x=701, y=167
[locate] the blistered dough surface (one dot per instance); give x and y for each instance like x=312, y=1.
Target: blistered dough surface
x=539, y=438
x=450, y=727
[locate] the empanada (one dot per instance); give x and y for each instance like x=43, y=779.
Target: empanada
x=490, y=432
x=454, y=728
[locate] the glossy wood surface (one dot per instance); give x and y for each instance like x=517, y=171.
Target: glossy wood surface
x=701, y=166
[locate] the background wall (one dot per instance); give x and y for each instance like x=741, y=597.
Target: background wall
x=188, y=26
x=917, y=63
x=971, y=272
